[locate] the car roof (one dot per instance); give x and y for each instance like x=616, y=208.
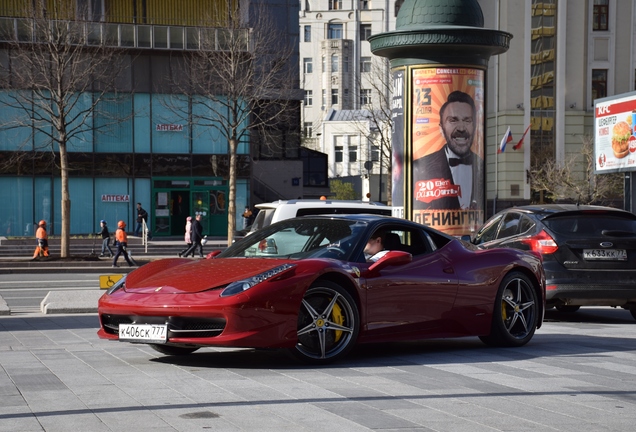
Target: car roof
x=319, y=203
x=373, y=219
x=546, y=210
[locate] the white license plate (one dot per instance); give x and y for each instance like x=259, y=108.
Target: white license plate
x=605, y=254
x=152, y=333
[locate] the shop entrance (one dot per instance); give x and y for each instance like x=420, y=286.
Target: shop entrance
x=176, y=199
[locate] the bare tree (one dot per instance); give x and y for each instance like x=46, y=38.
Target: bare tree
x=60, y=72
x=242, y=81
x=574, y=180
x=377, y=112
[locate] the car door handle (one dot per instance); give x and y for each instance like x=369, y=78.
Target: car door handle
x=449, y=270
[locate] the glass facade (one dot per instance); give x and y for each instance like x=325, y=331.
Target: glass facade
x=134, y=139
x=542, y=87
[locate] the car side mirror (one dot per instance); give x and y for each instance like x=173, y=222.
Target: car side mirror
x=466, y=238
x=391, y=258
x=212, y=254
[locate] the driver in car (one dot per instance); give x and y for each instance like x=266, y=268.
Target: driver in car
x=374, y=250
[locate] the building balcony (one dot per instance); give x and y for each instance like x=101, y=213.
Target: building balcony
x=142, y=36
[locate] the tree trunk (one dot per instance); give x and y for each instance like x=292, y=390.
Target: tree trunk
x=65, y=246
x=231, y=206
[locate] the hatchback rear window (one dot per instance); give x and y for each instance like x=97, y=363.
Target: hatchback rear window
x=591, y=225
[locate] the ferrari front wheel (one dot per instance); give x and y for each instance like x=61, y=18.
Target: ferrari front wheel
x=328, y=324
x=515, y=314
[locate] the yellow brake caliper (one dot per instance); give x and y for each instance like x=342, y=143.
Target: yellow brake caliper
x=338, y=318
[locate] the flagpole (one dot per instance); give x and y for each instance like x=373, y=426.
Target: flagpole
x=494, y=201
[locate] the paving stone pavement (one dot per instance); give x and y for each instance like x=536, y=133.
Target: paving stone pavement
x=56, y=375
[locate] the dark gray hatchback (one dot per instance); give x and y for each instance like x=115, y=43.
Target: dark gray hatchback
x=589, y=252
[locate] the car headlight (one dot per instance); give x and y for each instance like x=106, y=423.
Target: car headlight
x=245, y=284
x=119, y=284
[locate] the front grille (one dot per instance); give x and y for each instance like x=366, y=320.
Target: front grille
x=178, y=327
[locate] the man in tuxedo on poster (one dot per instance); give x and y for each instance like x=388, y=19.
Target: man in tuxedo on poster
x=448, y=179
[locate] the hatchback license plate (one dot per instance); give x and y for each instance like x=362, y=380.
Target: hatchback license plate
x=605, y=254
x=151, y=333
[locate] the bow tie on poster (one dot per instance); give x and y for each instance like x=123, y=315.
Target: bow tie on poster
x=466, y=160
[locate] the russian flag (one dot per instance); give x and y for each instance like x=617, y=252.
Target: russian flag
x=505, y=140
x=520, y=143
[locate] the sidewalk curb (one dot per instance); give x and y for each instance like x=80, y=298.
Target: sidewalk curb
x=72, y=301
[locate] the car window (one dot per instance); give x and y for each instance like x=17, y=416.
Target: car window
x=405, y=239
x=263, y=219
x=525, y=224
x=488, y=231
x=298, y=238
x=590, y=224
x=509, y=225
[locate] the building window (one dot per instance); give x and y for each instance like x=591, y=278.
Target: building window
x=308, y=65
x=365, y=4
x=365, y=64
x=307, y=33
x=334, y=96
x=335, y=4
x=365, y=31
x=600, y=15
x=353, y=154
x=365, y=96
x=334, y=63
x=345, y=64
x=324, y=97
x=308, y=129
x=334, y=31
x=90, y=10
x=398, y=5
x=338, y=153
x=375, y=153
x=309, y=97
x=324, y=64
x=599, y=83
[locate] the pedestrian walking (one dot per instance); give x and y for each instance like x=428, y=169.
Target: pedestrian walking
x=42, y=238
x=188, y=236
x=121, y=239
x=105, y=239
x=247, y=217
x=142, y=216
x=196, y=236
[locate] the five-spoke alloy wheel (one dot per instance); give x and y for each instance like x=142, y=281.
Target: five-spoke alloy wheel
x=515, y=314
x=328, y=323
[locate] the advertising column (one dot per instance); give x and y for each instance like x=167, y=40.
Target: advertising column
x=447, y=127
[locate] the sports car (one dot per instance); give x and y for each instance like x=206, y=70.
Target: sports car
x=305, y=285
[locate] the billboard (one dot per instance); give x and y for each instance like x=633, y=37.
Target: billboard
x=615, y=134
x=447, y=158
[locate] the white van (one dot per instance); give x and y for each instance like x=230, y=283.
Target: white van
x=270, y=213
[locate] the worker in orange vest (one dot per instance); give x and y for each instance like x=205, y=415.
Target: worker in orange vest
x=42, y=249
x=121, y=240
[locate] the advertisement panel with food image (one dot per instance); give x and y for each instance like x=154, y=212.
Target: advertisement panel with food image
x=615, y=133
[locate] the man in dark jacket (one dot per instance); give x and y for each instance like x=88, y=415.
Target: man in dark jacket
x=142, y=216
x=196, y=236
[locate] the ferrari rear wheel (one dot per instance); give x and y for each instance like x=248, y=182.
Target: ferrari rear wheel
x=173, y=350
x=516, y=312
x=328, y=324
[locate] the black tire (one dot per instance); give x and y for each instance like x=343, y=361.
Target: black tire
x=567, y=309
x=515, y=314
x=328, y=324
x=173, y=350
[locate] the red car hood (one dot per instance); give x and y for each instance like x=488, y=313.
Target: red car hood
x=176, y=276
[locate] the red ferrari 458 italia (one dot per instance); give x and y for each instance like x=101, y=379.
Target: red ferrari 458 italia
x=311, y=286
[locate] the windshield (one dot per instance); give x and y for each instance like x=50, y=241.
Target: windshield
x=300, y=238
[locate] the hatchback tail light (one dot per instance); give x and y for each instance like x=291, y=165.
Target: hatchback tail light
x=542, y=243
